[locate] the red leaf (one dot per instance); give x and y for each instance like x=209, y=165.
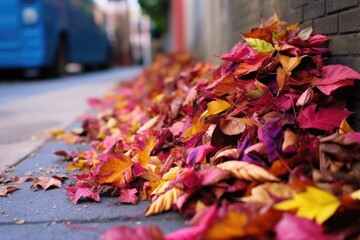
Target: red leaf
x=150, y=232
x=198, y=154
x=336, y=76
x=46, y=183
x=324, y=118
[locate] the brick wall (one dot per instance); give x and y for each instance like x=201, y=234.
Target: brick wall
x=339, y=19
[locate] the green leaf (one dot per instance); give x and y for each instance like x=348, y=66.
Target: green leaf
x=259, y=45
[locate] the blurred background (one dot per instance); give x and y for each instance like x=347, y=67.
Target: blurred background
x=47, y=35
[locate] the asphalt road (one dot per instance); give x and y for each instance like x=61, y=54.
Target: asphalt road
x=29, y=107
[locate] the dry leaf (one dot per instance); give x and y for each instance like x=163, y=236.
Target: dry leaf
x=5, y=190
x=164, y=202
x=267, y=192
x=247, y=171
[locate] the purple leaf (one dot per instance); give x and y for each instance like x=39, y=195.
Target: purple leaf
x=198, y=154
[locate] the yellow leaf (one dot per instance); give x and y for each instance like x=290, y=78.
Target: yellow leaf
x=355, y=195
x=312, y=204
x=215, y=107
x=113, y=170
x=247, y=171
x=164, y=202
x=345, y=127
x=265, y=193
x=230, y=226
x=259, y=45
x=172, y=173
x=194, y=129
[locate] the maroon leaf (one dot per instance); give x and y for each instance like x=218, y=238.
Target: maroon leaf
x=324, y=118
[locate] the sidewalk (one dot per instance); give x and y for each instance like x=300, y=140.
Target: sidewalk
x=28, y=214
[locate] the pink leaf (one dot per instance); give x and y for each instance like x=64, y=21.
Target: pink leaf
x=291, y=227
x=128, y=196
x=324, y=118
x=336, y=76
x=150, y=232
x=206, y=217
x=81, y=190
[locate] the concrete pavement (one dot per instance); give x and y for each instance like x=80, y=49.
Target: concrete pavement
x=28, y=214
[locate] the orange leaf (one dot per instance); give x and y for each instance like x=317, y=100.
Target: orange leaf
x=164, y=202
x=5, y=190
x=113, y=170
x=230, y=226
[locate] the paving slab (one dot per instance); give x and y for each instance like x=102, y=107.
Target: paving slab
x=44, y=214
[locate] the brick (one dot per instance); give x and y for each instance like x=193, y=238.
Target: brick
x=349, y=21
x=336, y=5
x=352, y=61
x=314, y=9
x=326, y=25
x=345, y=44
x=298, y=3
x=306, y=24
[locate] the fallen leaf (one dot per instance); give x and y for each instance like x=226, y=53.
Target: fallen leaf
x=113, y=169
x=198, y=154
x=269, y=192
x=259, y=45
x=247, y=171
x=128, y=196
x=150, y=232
x=312, y=204
x=164, y=202
x=231, y=226
x=291, y=227
x=215, y=107
x=324, y=118
x=5, y=190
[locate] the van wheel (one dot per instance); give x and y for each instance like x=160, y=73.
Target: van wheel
x=57, y=68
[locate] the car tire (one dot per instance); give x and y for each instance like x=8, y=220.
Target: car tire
x=57, y=68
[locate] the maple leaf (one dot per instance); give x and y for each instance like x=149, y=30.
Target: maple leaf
x=259, y=45
x=247, y=171
x=312, y=204
x=150, y=232
x=324, y=118
x=164, y=202
x=81, y=190
x=5, y=190
x=128, y=196
x=47, y=183
x=113, y=169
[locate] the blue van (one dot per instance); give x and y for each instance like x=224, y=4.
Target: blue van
x=47, y=34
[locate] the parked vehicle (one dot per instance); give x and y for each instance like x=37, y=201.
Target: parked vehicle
x=47, y=34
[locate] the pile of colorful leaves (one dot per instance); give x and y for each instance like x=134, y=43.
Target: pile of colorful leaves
x=258, y=148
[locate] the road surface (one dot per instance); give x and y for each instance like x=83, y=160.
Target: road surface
x=28, y=108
